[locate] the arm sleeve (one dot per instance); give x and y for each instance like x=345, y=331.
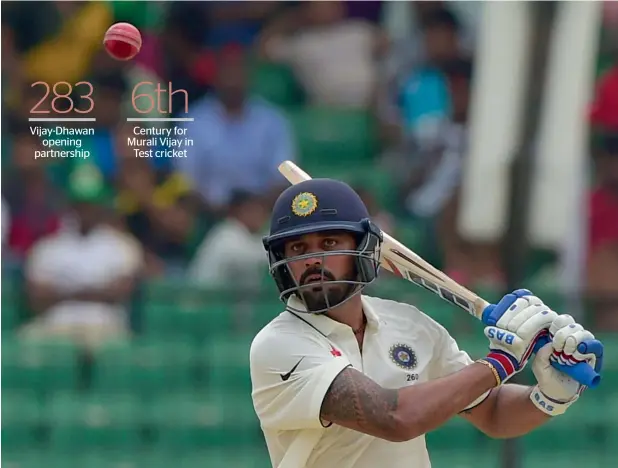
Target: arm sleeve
x=295, y=403
x=450, y=359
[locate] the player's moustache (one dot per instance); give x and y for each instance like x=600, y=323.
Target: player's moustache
x=316, y=271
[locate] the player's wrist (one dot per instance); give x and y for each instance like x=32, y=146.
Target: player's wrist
x=549, y=405
x=492, y=369
x=505, y=366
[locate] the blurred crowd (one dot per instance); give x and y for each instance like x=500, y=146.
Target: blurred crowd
x=85, y=232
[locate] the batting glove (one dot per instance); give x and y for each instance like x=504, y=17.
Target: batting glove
x=514, y=326
x=570, y=345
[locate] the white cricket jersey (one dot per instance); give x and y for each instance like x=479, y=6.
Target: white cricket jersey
x=402, y=346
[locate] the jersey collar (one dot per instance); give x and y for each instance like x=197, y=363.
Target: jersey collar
x=326, y=325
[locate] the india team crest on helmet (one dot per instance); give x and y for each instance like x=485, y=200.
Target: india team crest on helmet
x=304, y=204
x=403, y=356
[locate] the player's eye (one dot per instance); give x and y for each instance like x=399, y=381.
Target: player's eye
x=296, y=247
x=330, y=243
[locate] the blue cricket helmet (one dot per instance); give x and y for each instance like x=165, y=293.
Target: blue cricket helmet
x=322, y=205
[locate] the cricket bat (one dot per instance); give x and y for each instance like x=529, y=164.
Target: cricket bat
x=403, y=262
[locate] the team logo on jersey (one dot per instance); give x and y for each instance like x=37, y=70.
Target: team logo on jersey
x=403, y=356
x=304, y=204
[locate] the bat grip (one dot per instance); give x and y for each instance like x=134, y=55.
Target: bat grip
x=581, y=372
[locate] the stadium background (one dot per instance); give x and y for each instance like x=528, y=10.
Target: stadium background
x=177, y=392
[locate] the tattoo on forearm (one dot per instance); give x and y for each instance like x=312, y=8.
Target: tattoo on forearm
x=357, y=402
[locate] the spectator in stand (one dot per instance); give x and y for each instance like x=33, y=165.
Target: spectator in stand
x=414, y=91
x=35, y=204
x=160, y=209
x=133, y=74
x=610, y=23
x=80, y=279
x=110, y=89
x=239, y=22
x=334, y=58
x=604, y=113
x=438, y=166
x=370, y=10
x=602, y=272
x=405, y=24
x=431, y=189
x=181, y=53
x=602, y=265
x=239, y=140
x=56, y=40
x=12, y=71
x=232, y=253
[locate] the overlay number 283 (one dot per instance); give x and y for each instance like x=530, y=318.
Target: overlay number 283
x=65, y=96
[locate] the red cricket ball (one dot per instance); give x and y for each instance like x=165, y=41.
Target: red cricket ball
x=122, y=41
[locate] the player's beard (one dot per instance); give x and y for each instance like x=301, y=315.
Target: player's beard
x=326, y=295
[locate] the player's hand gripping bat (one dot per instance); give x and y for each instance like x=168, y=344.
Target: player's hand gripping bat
x=401, y=261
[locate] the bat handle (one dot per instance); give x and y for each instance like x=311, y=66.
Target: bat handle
x=581, y=372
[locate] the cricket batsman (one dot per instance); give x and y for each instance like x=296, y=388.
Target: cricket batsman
x=345, y=380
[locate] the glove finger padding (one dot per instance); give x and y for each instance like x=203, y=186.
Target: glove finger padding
x=561, y=322
x=572, y=342
x=506, y=319
x=559, y=337
x=570, y=355
x=524, y=315
x=539, y=321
